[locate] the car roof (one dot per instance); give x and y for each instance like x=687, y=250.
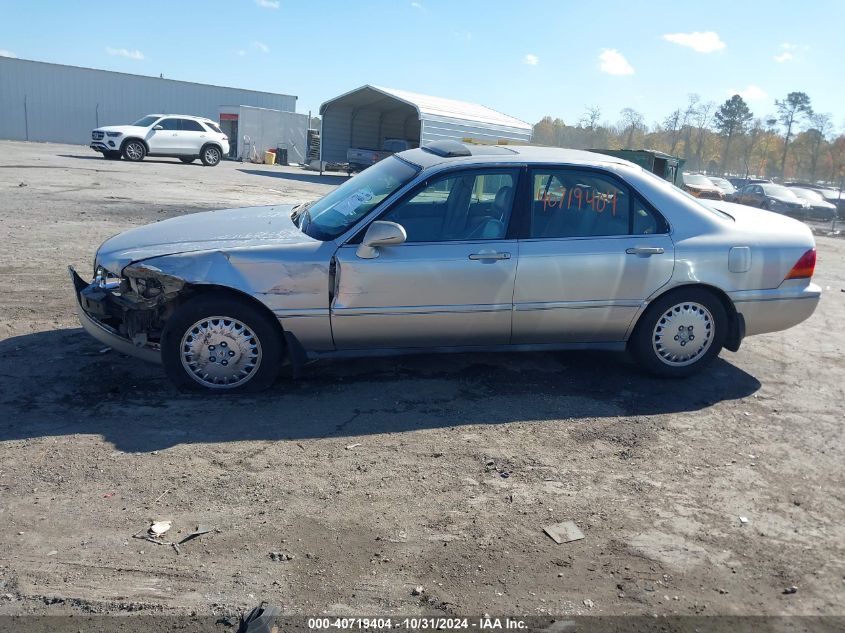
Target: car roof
x=428, y=156
x=184, y=116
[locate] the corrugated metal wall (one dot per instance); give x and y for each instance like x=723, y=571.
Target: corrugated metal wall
x=442, y=128
x=270, y=129
x=369, y=129
x=50, y=102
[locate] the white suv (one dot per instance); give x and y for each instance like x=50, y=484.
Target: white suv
x=176, y=135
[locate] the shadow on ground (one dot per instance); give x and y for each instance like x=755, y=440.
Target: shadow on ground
x=312, y=177
x=64, y=383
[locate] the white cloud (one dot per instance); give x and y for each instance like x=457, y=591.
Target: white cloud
x=240, y=52
x=261, y=46
x=701, y=42
x=417, y=5
x=749, y=93
x=268, y=4
x=530, y=60
x=785, y=54
x=614, y=63
x=123, y=52
x=465, y=36
x=5, y=53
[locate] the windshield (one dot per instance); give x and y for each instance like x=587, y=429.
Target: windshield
x=697, y=180
x=657, y=181
x=147, y=121
x=335, y=213
x=778, y=191
x=808, y=194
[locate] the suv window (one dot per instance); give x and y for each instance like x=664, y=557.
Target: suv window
x=169, y=124
x=189, y=125
x=572, y=203
x=471, y=205
x=212, y=126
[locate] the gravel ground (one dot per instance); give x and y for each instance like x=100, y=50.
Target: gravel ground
x=368, y=479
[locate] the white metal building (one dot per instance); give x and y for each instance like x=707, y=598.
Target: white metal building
x=365, y=117
x=262, y=129
x=53, y=102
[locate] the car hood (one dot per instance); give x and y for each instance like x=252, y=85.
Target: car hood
x=210, y=230
x=704, y=187
x=123, y=129
x=791, y=201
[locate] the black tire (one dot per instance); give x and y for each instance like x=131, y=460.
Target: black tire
x=663, y=356
x=211, y=155
x=134, y=150
x=188, y=160
x=112, y=155
x=181, y=336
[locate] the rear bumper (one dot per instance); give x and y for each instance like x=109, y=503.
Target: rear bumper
x=104, y=333
x=776, y=309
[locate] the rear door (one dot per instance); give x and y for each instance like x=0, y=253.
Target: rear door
x=594, y=252
x=450, y=284
x=192, y=136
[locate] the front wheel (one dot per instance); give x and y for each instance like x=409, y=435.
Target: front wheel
x=211, y=155
x=680, y=333
x=134, y=151
x=221, y=344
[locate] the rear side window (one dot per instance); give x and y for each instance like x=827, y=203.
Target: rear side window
x=189, y=125
x=572, y=203
x=212, y=126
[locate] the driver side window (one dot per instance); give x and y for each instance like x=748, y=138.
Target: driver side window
x=470, y=205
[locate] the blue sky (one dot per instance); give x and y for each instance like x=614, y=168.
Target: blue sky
x=527, y=58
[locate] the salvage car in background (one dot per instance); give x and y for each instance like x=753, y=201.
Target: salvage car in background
x=173, y=135
x=724, y=185
x=818, y=208
x=772, y=197
x=700, y=186
x=452, y=248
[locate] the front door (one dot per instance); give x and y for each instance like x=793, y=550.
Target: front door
x=594, y=253
x=165, y=140
x=449, y=285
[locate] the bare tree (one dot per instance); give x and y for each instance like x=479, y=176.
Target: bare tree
x=704, y=116
x=821, y=127
x=590, y=118
x=795, y=106
x=631, y=122
x=672, y=125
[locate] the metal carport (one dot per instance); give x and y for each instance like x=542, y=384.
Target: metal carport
x=366, y=116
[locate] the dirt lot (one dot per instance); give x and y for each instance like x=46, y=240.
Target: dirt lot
x=380, y=476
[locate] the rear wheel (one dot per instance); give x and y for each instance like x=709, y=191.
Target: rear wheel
x=221, y=344
x=187, y=159
x=680, y=333
x=134, y=150
x=210, y=155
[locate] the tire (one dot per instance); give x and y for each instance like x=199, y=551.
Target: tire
x=112, y=155
x=211, y=155
x=187, y=160
x=660, y=345
x=134, y=150
x=250, y=339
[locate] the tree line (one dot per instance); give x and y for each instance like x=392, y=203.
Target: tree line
x=792, y=143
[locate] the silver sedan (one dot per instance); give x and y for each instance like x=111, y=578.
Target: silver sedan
x=452, y=248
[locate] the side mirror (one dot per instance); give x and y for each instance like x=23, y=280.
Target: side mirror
x=158, y=127
x=380, y=234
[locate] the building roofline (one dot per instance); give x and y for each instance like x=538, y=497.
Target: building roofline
x=118, y=72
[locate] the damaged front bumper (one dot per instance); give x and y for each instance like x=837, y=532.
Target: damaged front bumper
x=91, y=306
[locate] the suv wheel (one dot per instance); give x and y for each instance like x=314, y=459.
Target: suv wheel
x=134, y=150
x=220, y=344
x=680, y=333
x=210, y=155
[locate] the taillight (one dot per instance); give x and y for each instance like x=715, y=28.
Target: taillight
x=804, y=267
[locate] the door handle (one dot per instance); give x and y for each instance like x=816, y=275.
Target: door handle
x=645, y=250
x=489, y=255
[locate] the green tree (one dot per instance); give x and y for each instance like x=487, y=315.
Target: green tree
x=795, y=106
x=731, y=119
